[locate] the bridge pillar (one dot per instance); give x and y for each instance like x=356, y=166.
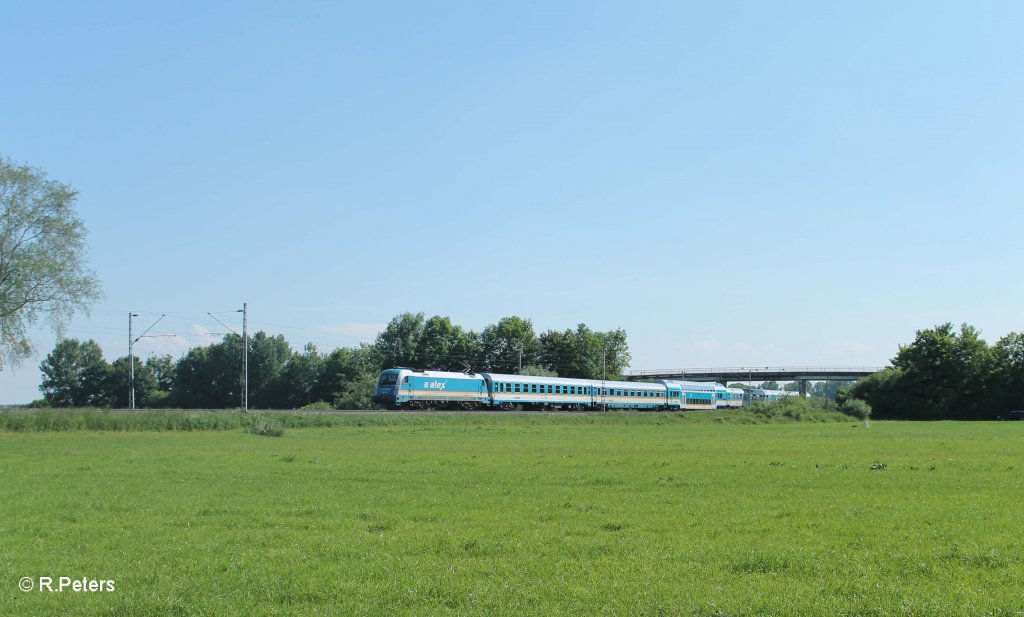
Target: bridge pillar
x=803, y=387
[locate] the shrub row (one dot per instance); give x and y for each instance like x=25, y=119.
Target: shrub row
x=46, y=420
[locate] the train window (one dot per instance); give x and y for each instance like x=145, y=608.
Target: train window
x=572, y=389
x=533, y=388
x=515, y=388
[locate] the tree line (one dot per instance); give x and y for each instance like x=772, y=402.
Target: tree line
x=947, y=374
x=75, y=373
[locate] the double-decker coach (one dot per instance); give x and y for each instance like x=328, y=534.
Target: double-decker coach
x=728, y=397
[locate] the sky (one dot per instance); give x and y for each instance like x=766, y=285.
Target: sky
x=732, y=183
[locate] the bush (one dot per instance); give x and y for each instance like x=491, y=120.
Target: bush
x=856, y=408
x=317, y=406
x=267, y=428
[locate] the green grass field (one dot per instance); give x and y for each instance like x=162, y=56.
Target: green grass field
x=626, y=514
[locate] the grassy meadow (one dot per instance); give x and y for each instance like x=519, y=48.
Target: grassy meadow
x=451, y=514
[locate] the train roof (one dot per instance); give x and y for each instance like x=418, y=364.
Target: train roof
x=439, y=374
x=568, y=381
x=698, y=386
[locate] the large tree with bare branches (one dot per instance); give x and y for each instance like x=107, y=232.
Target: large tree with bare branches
x=43, y=274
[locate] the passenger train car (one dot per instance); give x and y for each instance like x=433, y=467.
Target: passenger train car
x=404, y=388
x=760, y=394
x=728, y=397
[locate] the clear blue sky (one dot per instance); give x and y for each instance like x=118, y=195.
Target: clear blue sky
x=733, y=183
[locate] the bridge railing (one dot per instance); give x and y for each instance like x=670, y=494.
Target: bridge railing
x=757, y=370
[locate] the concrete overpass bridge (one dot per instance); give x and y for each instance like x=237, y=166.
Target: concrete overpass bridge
x=799, y=374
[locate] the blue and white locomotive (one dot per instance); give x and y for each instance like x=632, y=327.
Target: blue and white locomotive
x=403, y=388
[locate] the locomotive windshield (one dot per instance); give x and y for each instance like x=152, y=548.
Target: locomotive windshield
x=388, y=379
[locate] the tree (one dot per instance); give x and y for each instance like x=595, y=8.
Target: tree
x=584, y=353
x=75, y=375
x=42, y=258
x=1008, y=377
x=267, y=358
x=162, y=368
x=509, y=344
x=445, y=346
x=944, y=374
x=299, y=380
x=538, y=371
x=616, y=352
x=352, y=376
x=856, y=408
x=398, y=344
x=558, y=352
x=884, y=392
x=210, y=377
x=829, y=389
x=118, y=383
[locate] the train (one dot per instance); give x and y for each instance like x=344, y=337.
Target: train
x=407, y=388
